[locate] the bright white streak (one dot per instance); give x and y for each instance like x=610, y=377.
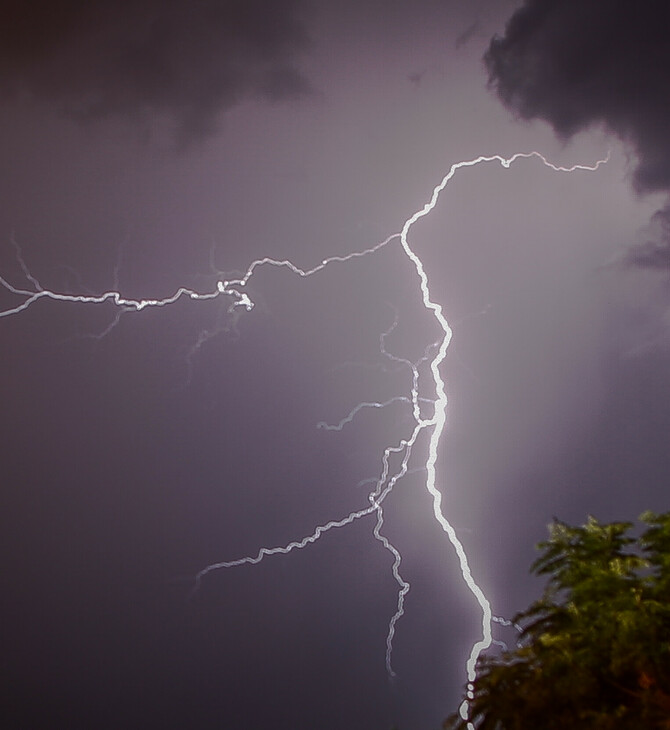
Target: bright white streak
x=385, y=483
x=439, y=417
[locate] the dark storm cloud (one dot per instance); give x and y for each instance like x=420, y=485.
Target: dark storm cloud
x=186, y=60
x=577, y=63
x=653, y=249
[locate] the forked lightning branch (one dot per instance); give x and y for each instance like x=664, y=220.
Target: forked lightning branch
x=427, y=390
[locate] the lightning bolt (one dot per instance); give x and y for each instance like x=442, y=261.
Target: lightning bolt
x=240, y=301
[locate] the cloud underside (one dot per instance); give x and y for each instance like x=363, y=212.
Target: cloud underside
x=579, y=63
x=185, y=60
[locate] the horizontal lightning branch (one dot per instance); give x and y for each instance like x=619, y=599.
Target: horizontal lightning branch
x=373, y=404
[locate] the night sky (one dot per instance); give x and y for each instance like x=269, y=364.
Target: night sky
x=147, y=145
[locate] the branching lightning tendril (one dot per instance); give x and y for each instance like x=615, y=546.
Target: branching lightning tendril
x=435, y=354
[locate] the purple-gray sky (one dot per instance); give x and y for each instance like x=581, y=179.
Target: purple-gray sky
x=140, y=142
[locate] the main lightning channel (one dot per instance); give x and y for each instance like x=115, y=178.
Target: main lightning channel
x=234, y=288
x=439, y=416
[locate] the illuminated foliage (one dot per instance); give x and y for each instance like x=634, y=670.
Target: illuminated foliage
x=595, y=649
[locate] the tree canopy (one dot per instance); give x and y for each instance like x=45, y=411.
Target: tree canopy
x=594, y=650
